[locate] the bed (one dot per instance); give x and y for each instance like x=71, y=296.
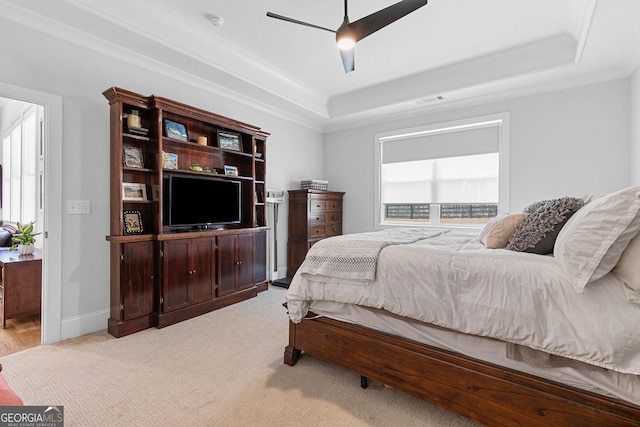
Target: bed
x=502, y=336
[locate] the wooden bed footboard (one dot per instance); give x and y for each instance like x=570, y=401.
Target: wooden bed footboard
x=481, y=391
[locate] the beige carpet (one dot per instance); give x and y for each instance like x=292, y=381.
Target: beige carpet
x=221, y=369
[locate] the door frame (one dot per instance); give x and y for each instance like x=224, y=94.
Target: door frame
x=52, y=229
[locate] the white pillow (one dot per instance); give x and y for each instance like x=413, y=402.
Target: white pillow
x=628, y=270
x=593, y=240
x=498, y=231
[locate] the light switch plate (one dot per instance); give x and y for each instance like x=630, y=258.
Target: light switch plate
x=78, y=207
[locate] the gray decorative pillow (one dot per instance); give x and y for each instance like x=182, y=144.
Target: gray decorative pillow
x=536, y=205
x=537, y=233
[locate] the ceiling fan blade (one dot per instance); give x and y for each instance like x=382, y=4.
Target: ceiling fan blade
x=348, y=59
x=295, y=21
x=370, y=24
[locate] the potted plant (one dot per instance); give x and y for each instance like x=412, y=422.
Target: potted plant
x=24, y=239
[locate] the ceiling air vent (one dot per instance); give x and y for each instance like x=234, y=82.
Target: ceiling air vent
x=430, y=100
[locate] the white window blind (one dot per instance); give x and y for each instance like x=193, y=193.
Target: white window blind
x=455, y=171
x=442, y=143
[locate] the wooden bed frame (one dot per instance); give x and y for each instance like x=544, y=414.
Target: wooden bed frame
x=490, y=394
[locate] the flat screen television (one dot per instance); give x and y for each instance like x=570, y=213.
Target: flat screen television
x=199, y=202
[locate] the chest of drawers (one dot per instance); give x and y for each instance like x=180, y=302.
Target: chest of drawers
x=313, y=216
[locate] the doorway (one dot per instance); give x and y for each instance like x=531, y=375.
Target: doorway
x=22, y=131
x=49, y=201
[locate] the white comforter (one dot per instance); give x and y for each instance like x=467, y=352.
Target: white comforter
x=452, y=280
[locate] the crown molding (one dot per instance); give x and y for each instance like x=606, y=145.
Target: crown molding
x=470, y=97
x=208, y=76
x=516, y=61
x=214, y=66
x=584, y=11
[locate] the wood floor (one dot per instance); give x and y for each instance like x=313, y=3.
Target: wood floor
x=21, y=333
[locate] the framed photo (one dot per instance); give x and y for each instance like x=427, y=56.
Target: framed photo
x=134, y=191
x=230, y=170
x=229, y=141
x=132, y=222
x=132, y=157
x=169, y=160
x=175, y=130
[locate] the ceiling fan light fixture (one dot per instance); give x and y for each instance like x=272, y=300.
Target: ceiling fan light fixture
x=345, y=36
x=345, y=43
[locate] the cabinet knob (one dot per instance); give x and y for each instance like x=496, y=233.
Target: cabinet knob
x=238, y=262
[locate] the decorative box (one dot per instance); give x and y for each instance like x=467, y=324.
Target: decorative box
x=314, y=184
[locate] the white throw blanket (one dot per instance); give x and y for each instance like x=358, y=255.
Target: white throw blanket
x=354, y=257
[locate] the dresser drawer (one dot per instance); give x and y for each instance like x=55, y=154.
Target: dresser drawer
x=316, y=219
x=316, y=205
x=315, y=232
x=334, y=205
x=333, y=230
x=333, y=217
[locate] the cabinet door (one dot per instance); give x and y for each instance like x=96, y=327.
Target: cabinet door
x=202, y=256
x=260, y=258
x=226, y=264
x=137, y=279
x=244, y=264
x=175, y=275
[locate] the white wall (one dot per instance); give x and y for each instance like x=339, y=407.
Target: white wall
x=568, y=142
x=31, y=60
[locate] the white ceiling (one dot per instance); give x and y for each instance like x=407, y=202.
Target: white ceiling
x=464, y=51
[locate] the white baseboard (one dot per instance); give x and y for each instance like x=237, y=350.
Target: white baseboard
x=72, y=327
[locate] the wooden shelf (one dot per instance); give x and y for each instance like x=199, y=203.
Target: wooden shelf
x=147, y=170
x=153, y=275
x=136, y=137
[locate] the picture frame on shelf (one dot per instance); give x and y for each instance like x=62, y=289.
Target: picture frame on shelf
x=132, y=157
x=175, y=130
x=132, y=221
x=229, y=141
x=169, y=160
x=134, y=191
x=230, y=170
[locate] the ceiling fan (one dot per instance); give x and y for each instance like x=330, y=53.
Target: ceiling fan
x=351, y=32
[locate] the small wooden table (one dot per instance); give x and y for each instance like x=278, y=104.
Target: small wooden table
x=20, y=284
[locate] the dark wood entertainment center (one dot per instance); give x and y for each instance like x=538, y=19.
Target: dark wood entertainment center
x=161, y=275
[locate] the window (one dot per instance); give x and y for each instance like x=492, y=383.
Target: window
x=19, y=170
x=452, y=173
